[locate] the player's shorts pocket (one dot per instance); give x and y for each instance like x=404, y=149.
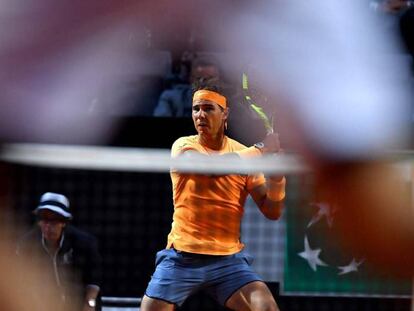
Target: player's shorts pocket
x=162, y=255
x=243, y=255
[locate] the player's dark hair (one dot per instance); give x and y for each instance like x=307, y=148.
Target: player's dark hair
x=213, y=84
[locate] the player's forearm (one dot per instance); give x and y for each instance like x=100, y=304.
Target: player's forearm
x=272, y=210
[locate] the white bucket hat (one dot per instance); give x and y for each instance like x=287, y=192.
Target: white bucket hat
x=55, y=202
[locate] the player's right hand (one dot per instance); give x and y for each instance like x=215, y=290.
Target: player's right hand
x=271, y=143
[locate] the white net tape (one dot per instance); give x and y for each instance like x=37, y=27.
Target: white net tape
x=143, y=160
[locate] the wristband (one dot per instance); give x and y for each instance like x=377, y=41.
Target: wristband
x=249, y=152
x=276, y=190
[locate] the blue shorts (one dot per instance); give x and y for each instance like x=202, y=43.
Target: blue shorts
x=178, y=275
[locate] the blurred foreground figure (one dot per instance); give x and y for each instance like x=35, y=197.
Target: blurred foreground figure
x=34, y=293
x=342, y=103
x=374, y=216
x=339, y=101
x=66, y=67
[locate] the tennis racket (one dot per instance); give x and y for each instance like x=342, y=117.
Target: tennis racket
x=250, y=97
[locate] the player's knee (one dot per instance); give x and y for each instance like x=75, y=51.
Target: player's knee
x=150, y=304
x=265, y=305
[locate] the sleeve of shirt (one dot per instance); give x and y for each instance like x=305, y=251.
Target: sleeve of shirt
x=181, y=145
x=253, y=180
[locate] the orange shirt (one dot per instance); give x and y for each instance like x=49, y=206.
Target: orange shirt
x=208, y=208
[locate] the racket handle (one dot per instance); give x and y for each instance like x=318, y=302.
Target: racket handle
x=270, y=129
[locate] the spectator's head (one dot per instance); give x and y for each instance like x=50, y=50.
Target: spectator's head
x=204, y=68
x=52, y=214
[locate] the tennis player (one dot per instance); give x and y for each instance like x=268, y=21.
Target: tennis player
x=204, y=251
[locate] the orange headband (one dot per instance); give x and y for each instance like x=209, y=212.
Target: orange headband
x=211, y=96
